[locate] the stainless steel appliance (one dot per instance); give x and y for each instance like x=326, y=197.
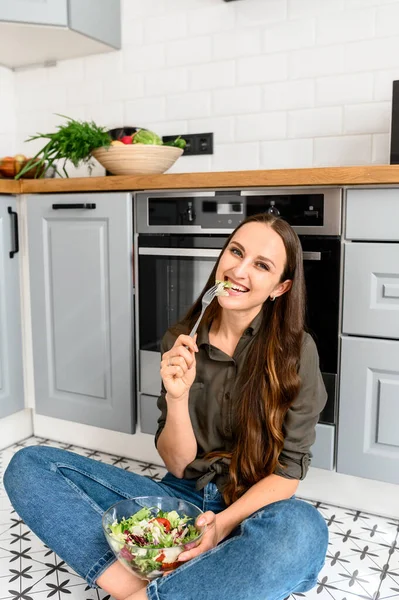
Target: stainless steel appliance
x=179, y=237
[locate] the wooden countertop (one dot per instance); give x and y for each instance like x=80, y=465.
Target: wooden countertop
x=329, y=176
x=9, y=186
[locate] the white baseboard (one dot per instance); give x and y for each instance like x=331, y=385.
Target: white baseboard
x=358, y=493
x=139, y=446
x=327, y=486
x=15, y=428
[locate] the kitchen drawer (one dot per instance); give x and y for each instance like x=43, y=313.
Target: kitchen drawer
x=371, y=290
x=149, y=414
x=372, y=214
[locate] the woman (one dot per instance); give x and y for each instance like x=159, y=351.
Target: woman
x=239, y=405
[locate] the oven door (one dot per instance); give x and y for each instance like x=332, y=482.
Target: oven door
x=321, y=261
x=170, y=280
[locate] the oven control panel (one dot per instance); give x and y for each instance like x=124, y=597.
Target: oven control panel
x=208, y=213
x=307, y=210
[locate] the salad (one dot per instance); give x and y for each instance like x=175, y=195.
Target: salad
x=222, y=288
x=151, y=540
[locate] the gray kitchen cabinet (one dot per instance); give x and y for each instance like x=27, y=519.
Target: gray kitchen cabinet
x=371, y=289
x=44, y=12
x=57, y=30
x=11, y=370
x=80, y=262
x=368, y=432
x=372, y=214
x=323, y=450
x=368, y=435
x=149, y=414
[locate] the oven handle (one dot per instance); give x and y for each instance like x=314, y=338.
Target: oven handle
x=311, y=255
x=194, y=252
x=204, y=252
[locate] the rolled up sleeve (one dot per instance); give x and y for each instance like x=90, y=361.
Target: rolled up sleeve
x=301, y=419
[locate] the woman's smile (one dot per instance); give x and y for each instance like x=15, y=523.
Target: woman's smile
x=237, y=288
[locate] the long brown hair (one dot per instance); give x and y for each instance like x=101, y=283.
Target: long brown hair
x=269, y=381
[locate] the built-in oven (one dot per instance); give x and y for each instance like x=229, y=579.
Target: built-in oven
x=178, y=239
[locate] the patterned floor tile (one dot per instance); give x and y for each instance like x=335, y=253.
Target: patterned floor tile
x=389, y=590
x=362, y=560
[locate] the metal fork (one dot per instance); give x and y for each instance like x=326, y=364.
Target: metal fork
x=206, y=300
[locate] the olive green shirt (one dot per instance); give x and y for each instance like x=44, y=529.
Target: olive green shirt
x=211, y=400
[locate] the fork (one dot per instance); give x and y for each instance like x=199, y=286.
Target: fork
x=206, y=300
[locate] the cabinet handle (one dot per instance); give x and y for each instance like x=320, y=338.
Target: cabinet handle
x=87, y=205
x=14, y=216
x=312, y=256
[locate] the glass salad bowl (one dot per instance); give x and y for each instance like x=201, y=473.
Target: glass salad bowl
x=148, y=533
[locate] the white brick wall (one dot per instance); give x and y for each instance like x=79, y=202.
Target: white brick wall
x=7, y=113
x=281, y=83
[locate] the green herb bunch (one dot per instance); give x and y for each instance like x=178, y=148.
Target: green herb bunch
x=73, y=141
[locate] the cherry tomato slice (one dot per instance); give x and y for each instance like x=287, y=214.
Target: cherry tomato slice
x=169, y=566
x=164, y=522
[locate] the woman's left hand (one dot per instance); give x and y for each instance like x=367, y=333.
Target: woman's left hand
x=209, y=540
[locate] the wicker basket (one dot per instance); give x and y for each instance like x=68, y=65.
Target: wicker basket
x=137, y=159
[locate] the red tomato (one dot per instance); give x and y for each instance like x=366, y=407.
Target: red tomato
x=160, y=557
x=173, y=565
x=164, y=522
x=126, y=139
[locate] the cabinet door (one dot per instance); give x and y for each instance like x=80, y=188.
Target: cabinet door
x=44, y=12
x=99, y=19
x=371, y=290
x=80, y=260
x=11, y=371
x=368, y=431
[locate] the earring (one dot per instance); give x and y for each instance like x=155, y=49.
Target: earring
x=272, y=298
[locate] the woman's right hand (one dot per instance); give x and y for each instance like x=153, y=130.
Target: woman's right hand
x=178, y=367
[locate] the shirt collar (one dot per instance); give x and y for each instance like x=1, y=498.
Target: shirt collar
x=252, y=329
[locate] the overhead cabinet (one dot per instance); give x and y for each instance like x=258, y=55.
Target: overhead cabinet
x=36, y=32
x=11, y=371
x=80, y=263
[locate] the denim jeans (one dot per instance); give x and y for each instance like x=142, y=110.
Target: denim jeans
x=61, y=496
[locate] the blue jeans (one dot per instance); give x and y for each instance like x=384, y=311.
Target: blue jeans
x=61, y=496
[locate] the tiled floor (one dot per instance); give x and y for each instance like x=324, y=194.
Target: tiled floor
x=362, y=561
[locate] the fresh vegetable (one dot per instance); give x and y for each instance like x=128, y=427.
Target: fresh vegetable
x=12, y=165
x=222, y=288
x=164, y=522
x=151, y=543
x=144, y=136
x=126, y=139
x=73, y=141
x=179, y=142
x=8, y=166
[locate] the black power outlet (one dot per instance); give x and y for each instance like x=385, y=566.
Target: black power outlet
x=196, y=143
